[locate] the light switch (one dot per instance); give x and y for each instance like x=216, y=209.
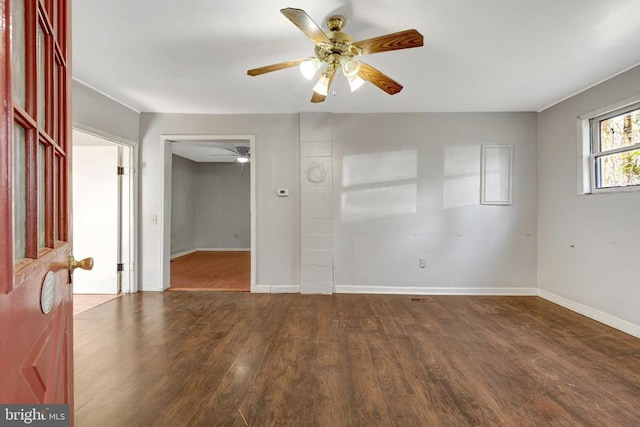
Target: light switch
x=283, y=192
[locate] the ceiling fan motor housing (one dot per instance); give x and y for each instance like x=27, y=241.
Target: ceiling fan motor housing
x=336, y=22
x=243, y=151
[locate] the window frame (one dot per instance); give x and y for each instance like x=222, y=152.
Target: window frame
x=589, y=147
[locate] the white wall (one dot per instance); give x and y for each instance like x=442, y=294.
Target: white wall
x=588, y=245
x=100, y=115
x=380, y=232
x=276, y=155
x=94, y=111
x=184, y=194
x=223, y=217
x=406, y=186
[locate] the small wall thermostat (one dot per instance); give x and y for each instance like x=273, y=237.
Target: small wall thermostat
x=283, y=192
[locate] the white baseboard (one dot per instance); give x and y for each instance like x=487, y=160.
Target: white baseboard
x=223, y=249
x=266, y=289
x=592, y=313
x=292, y=289
x=190, y=251
x=183, y=253
x=150, y=288
x=260, y=289
x=407, y=290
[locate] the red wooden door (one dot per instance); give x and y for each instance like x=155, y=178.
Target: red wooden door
x=36, y=328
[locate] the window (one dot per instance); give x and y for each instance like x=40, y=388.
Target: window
x=615, y=149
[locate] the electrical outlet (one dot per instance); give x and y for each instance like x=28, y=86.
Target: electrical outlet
x=422, y=262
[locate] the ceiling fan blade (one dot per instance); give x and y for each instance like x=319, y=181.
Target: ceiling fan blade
x=400, y=40
x=303, y=21
x=276, y=67
x=316, y=97
x=384, y=82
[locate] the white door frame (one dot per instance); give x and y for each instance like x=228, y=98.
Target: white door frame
x=164, y=219
x=130, y=282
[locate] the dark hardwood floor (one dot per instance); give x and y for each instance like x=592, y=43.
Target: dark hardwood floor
x=237, y=359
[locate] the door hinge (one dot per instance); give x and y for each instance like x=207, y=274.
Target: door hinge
x=120, y=267
x=122, y=170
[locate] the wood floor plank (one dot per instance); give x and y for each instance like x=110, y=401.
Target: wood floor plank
x=302, y=364
x=367, y=402
x=238, y=359
x=427, y=403
x=392, y=378
x=332, y=394
x=226, y=399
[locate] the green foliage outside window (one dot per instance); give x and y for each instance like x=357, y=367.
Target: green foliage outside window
x=619, y=169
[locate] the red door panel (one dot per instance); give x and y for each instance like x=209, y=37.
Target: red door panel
x=36, y=339
x=36, y=346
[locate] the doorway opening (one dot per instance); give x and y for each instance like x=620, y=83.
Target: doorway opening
x=103, y=217
x=210, y=190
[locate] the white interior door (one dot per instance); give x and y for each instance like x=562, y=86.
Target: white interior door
x=96, y=215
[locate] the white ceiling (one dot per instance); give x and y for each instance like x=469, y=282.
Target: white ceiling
x=191, y=56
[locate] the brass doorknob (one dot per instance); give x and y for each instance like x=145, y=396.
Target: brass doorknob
x=85, y=264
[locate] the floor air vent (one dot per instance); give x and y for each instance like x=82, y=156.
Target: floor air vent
x=420, y=299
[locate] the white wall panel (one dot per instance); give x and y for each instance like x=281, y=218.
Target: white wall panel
x=184, y=178
x=407, y=186
x=316, y=209
x=223, y=214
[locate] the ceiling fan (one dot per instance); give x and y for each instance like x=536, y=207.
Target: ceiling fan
x=336, y=51
x=241, y=153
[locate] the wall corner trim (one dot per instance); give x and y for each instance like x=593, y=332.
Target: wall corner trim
x=592, y=313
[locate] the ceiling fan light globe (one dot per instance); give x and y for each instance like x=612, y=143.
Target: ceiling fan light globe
x=322, y=86
x=309, y=68
x=242, y=159
x=355, y=83
x=350, y=67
